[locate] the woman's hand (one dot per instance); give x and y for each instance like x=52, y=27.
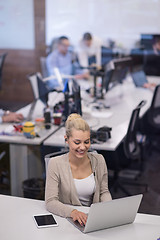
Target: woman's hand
x=79, y=216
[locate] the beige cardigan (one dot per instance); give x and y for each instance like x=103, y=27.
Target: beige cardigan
x=60, y=187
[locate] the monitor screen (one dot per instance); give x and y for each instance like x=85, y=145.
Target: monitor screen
x=43, y=90
x=118, y=72
x=72, y=98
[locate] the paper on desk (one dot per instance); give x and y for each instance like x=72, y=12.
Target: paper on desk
x=9, y=131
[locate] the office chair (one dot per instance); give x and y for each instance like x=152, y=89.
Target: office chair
x=154, y=111
x=2, y=59
x=55, y=154
x=153, y=119
x=127, y=153
x=131, y=145
x=4, y=169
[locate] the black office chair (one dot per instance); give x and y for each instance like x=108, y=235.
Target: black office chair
x=152, y=130
x=154, y=111
x=4, y=169
x=2, y=59
x=127, y=153
x=131, y=146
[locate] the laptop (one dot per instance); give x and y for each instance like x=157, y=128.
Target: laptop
x=110, y=214
x=139, y=78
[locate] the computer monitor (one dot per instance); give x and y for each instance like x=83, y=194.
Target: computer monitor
x=72, y=98
x=43, y=90
x=77, y=97
x=117, y=71
x=40, y=91
x=39, y=88
x=107, y=55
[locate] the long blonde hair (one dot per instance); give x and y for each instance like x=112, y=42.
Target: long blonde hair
x=75, y=121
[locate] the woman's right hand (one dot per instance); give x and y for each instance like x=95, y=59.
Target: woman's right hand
x=79, y=216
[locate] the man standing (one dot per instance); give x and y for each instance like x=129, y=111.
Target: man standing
x=89, y=50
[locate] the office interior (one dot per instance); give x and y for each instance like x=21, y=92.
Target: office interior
x=29, y=31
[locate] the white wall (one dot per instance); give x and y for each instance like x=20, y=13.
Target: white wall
x=17, y=24
x=121, y=20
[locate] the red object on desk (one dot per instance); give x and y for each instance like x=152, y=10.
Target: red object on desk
x=18, y=128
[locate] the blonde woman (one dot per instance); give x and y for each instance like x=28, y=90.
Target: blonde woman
x=78, y=178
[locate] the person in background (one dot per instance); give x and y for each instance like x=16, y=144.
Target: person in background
x=78, y=178
x=152, y=58
x=89, y=50
x=7, y=116
x=62, y=59
x=156, y=45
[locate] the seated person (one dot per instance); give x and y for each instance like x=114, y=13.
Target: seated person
x=89, y=51
x=152, y=59
x=10, y=116
x=62, y=59
x=78, y=178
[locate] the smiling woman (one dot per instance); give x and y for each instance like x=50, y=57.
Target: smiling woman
x=78, y=177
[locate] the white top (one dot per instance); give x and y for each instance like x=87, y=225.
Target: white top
x=85, y=52
x=85, y=188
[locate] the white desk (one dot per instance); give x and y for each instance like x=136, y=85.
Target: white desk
x=122, y=99
x=16, y=223
x=20, y=152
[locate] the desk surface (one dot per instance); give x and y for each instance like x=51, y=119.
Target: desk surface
x=38, y=112
x=16, y=223
x=122, y=100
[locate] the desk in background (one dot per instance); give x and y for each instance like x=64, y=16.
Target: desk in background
x=22, y=166
x=122, y=99
x=16, y=222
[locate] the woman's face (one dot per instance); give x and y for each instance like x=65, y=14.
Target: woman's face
x=79, y=143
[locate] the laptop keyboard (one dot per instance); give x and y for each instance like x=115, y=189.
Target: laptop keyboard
x=76, y=224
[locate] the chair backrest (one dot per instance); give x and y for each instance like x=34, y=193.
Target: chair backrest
x=2, y=58
x=154, y=111
x=51, y=155
x=131, y=145
x=44, y=69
